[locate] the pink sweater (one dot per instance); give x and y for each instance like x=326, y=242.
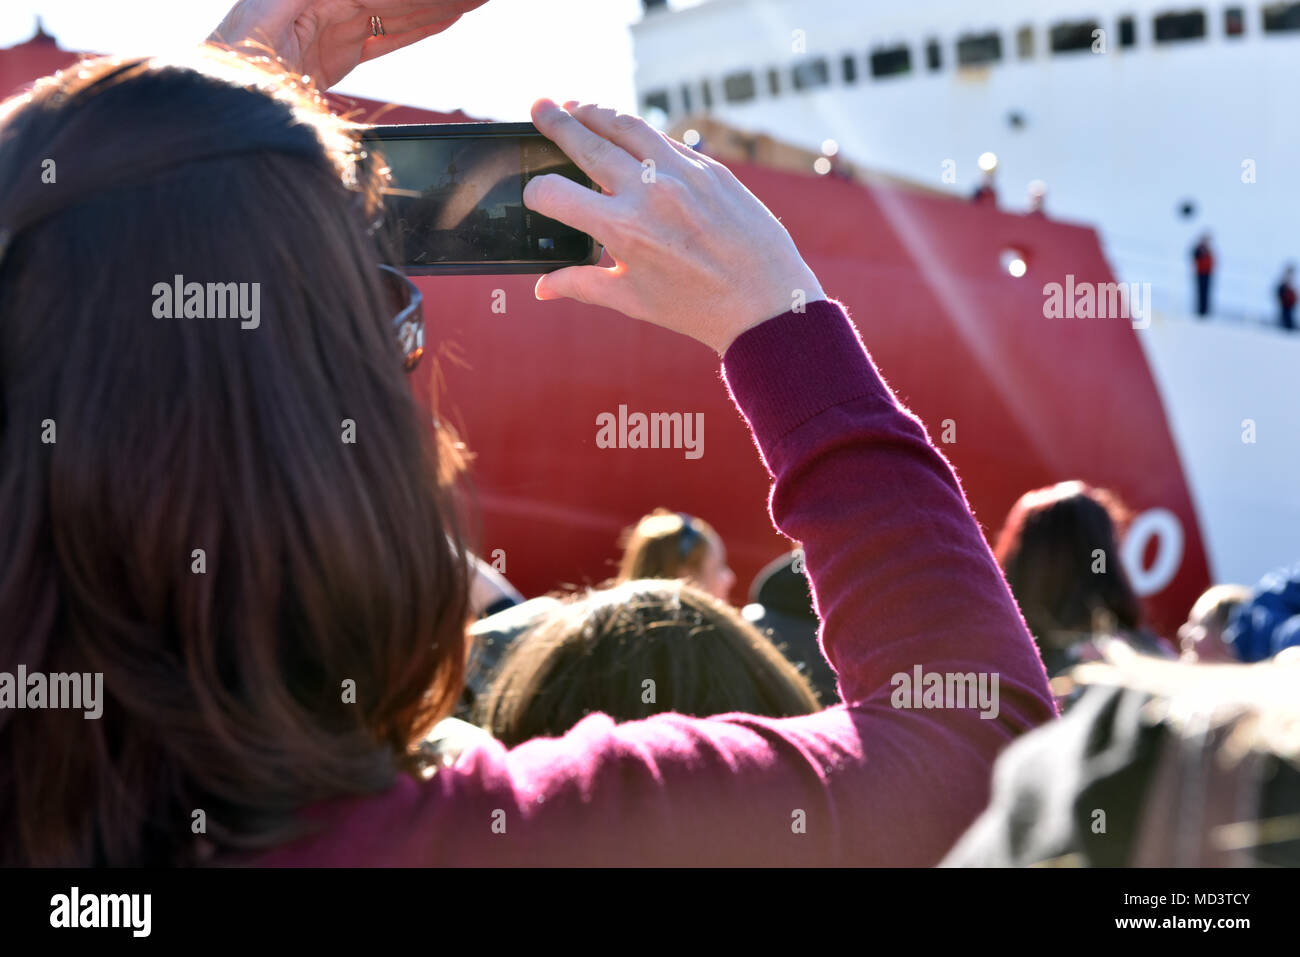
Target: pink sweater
x=902, y=578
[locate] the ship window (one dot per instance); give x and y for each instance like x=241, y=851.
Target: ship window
x=656, y=100
x=1073, y=37
x=1234, y=22
x=934, y=55
x=686, y=97
x=811, y=73
x=1127, y=32
x=1281, y=17
x=1025, y=43
x=891, y=60
x=976, y=49
x=774, y=81
x=706, y=91
x=738, y=87
x=850, y=65
x=1171, y=27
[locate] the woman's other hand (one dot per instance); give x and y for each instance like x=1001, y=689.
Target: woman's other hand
x=326, y=39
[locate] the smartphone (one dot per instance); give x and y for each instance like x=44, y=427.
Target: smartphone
x=455, y=202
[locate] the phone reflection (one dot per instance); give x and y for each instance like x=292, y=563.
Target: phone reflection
x=460, y=199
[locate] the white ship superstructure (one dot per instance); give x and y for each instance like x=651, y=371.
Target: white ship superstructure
x=1153, y=121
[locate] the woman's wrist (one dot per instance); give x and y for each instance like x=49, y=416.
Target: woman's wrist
x=778, y=302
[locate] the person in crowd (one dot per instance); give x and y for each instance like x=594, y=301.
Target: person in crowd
x=667, y=544
x=663, y=544
x=1203, y=266
x=986, y=193
x=1268, y=621
x=501, y=614
x=1286, y=298
x=1037, y=198
x=490, y=592
x=1201, y=636
x=490, y=638
x=277, y=615
x=636, y=649
x=780, y=605
x=1059, y=548
x=1159, y=764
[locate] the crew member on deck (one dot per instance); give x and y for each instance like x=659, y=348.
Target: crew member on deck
x=1286, y=297
x=1203, y=257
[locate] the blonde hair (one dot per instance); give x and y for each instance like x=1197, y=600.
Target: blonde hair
x=665, y=544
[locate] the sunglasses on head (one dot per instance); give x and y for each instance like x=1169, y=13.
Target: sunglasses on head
x=407, y=302
x=403, y=296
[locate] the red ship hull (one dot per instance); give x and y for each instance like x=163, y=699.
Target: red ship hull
x=1027, y=400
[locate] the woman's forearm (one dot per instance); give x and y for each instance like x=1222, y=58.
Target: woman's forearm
x=900, y=572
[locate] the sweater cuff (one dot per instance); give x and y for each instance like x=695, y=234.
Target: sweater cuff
x=783, y=372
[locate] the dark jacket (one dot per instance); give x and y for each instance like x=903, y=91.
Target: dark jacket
x=1118, y=782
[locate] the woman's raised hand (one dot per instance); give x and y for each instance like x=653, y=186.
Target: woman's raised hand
x=326, y=39
x=694, y=250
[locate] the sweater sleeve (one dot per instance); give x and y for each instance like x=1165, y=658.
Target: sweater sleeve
x=905, y=585
x=901, y=573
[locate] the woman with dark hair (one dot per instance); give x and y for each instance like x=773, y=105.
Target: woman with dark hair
x=244, y=530
x=636, y=649
x=200, y=529
x=1059, y=548
x=668, y=544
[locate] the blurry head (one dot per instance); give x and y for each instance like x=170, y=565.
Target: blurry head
x=1059, y=548
x=668, y=544
x=241, y=528
x=782, y=586
x=1289, y=272
x=637, y=649
x=781, y=606
x=1201, y=636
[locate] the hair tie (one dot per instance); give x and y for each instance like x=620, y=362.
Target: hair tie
x=689, y=536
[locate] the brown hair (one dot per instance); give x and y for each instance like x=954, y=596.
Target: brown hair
x=665, y=544
x=1047, y=549
x=327, y=562
x=598, y=651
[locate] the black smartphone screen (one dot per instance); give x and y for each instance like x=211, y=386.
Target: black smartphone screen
x=455, y=201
